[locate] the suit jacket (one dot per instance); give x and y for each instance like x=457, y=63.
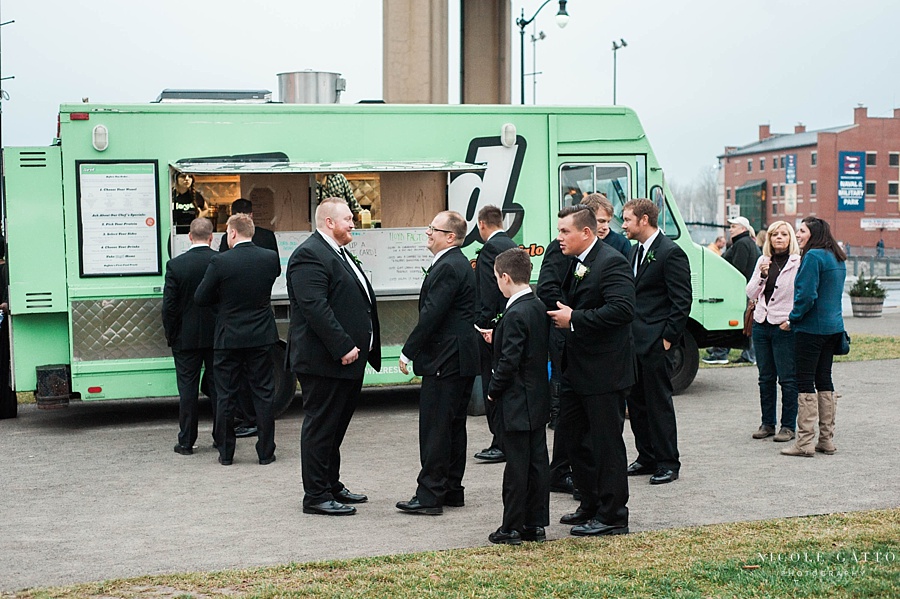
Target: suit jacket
x=663, y=289
x=187, y=325
x=240, y=282
x=618, y=242
x=490, y=299
x=599, y=351
x=519, y=382
x=444, y=341
x=262, y=237
x=554, y=267
x=330, y=313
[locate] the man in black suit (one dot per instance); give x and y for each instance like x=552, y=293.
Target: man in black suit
x=491, y=303
x=334, y=332
x=521, y=393
x=443, y=348
x=662, y=276
x=189, y=330
x=244, y=416
x=240, y=283
x=598, y=371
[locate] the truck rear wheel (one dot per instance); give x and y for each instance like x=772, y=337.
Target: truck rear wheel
x=285, y=383
x=686, y=360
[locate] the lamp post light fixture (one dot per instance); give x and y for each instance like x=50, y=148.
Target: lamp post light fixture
x=534, y=72
x=562, y=19
x=622, y=43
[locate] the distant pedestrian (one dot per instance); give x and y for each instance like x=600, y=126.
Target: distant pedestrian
x=879, y=249
x=717, y=246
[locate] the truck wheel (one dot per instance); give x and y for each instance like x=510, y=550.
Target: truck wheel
x=285, y=383
x=686, y=361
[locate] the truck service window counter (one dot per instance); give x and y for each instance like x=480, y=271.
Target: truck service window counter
x=91, y=221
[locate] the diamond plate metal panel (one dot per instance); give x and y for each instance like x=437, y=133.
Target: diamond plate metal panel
x=118, y=329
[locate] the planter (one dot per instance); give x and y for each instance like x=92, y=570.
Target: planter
x=866, y=307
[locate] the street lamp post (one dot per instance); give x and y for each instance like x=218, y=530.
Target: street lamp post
x=534, y=72
x=616, y=47
x=562, y=19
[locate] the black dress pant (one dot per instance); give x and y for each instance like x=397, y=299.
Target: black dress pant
x=255, y=365
x=652, y=412
x=328, y=406
x=188, y=363
x=442, y=438
x=490, y=408
x=592, y=427
x=526, y=479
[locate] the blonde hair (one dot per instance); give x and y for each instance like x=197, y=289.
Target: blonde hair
x=793, y=247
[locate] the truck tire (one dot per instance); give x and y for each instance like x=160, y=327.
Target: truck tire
x=285, y=383
x=686, y=361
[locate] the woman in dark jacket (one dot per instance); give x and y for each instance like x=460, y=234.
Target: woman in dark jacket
x=818, y=326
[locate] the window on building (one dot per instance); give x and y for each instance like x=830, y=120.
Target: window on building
x=781, y=190
x=728, y=194
x=894, y=159
x=762, y=164
x=774, y=209
x=870, y=158
x=774, y=190
x=781, y=162
x=893, y=188
x=870, y=188
x=749, y=165
x=812, y=188
x=814, y=158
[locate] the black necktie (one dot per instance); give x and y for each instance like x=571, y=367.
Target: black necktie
x=640, y=257
x=342, y=253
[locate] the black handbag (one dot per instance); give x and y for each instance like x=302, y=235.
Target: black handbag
x=842, y=345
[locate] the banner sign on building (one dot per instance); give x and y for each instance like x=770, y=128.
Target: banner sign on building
x=851, y=181
x=790, y=199
x=790, y=169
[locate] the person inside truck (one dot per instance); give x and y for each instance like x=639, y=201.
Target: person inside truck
x=187, y=203
x=335, y=185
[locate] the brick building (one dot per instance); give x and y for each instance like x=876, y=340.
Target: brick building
x=847, y=175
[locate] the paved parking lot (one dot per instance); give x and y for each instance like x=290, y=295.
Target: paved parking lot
x=95, y=491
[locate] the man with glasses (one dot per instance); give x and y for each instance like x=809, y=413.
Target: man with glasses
x=443, y=348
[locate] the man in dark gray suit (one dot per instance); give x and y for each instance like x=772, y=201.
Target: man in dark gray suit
x=443, y=348
x=662, y=282
x=239, y=283
x=189, y=329
x=334, y=332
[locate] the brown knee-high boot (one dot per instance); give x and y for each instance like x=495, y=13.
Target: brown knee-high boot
x=806, y=427
x=827, y=408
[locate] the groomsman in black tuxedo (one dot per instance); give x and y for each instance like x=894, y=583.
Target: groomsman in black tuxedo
x=662, y=278
x=443, y=348
x=598, y=370
x=521, y=393
x=491, y=303
x=334, y=332
x=239, y=282
x=189, y=329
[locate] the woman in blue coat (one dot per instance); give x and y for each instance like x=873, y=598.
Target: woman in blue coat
x=818, y=326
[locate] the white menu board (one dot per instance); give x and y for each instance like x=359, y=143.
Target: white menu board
x=118, y=212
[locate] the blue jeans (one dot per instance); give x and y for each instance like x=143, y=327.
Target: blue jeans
x=775, y=359
x=815, y=354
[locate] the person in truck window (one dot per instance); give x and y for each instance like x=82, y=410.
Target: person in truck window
x=187, y=203
x=335, y=185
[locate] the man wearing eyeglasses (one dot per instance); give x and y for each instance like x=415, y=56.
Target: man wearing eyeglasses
x=443, y=349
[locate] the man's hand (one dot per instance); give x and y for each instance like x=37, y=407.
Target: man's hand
x=488, y=335
x=350, y=357
x=666, y=344
x=562, y=317
x=403, y=366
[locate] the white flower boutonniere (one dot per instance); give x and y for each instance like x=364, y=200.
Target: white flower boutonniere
x=581, y=271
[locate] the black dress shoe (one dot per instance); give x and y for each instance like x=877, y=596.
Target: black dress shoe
x=184, y=450
x=345, y=496
x=225, y=462
x=246, y=431
x=637, y=469
x=414, y=507
x=534, y=534
x=491, y=455
x=595, y=528
x=579, y=516
x=564, y=485
x=329, y=508
x=504, y=537
x=663, y=476
x=267, y=461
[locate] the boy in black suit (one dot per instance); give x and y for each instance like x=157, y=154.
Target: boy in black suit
x=521, y=395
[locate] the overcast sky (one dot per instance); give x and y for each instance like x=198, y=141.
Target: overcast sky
x=701, y=74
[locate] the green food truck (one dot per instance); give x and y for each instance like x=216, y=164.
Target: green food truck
x=90, y=226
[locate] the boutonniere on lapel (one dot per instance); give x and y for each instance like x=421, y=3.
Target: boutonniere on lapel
x=650, y=256
x=353, y=257
x=495, y=320
x=425, y=272
x=581, y=271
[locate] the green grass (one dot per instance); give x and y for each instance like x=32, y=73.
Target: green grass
x=830, y=556
x=862, y=348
